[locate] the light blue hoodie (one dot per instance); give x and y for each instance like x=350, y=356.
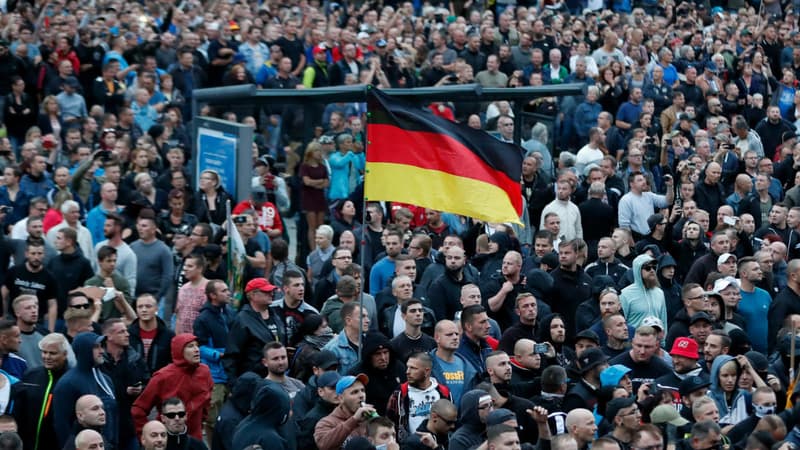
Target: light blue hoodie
x=639, y=302
x=741, y=398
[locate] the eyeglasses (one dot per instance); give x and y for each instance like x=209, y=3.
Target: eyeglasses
x=172, y=415
x=649, y=267
x=81, y=306
x=451, y=423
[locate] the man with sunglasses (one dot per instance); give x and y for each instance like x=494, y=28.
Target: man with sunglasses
x=434, y=432
x=644, y=297
x=173, y=416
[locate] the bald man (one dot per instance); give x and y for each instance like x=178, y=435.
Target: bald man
x=580, y=425
x=89, y=440
x=154, y=436
x=524, y=367
x=503, y=288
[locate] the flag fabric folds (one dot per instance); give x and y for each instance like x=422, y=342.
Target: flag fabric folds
x=236, y=259
x=414, y=156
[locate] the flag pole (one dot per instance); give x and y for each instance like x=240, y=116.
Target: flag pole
x=363, y=242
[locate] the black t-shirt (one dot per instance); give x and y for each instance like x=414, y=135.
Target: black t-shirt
x=642, y=372
x=19, y=280
x=404, y=346
x=291, y=49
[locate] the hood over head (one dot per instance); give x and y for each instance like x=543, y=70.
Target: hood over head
x=243, y=390
x=540, y=283
x=178, y=343
x=599, y=283
x=83, y=346
x=544, y=327
x=271, y=404
x=637, y=269
x=716, y=366
x=373, y=342
x=468, y=412
x=502, y=240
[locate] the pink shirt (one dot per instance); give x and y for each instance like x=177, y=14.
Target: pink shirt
x=191, y=299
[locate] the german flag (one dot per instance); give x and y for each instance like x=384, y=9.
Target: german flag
x=414, y=156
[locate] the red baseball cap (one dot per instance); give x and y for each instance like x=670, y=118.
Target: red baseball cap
x=261, y=284
x=321, y=48
x=686, y=347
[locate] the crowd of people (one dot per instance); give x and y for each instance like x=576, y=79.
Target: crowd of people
x=650, y=301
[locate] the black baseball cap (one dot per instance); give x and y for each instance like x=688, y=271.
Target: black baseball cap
x=700, y=316
x=588, y=334
x=615, y=406
x=693, y=383
x=325, y=359
x=591, y=358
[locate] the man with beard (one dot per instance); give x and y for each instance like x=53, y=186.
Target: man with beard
x=36, y=427
x=503, y=289
x=700, y=328
x=553, y=330
x=704, y=265
x=277, y=363
x=717, y=343
x=571, y=285
x=448, y=366
x=434, y=432
x=527, y=311
x=384, y=370
x=502, y=398
x=590, y=363
x=349, y=418
x=644, y=297
x=383, y=269
x=645, y=366
x=684, y=355
x=624, y=415
x=31, y=277
x=754, y=306
x=617, y=335
x=694, y=301
x=411, y=403
x=445, y=291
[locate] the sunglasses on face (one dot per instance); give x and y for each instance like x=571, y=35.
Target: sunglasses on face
x=81, y=306
x=649, y=267
x=172, y=415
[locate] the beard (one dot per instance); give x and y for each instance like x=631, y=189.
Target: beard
x=650, y=283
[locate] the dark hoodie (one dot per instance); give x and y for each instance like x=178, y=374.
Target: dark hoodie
x=569, y=290
x=489, y=264
x=472, y=431
x=444, y=293
x=234, y=410
x=81, y=380
x=588, y=312
x=382, y=382
x=189, y=382
x=268, y=411
x=437, y=269
x=37, y=385
x=564, y=354
x=671, y=288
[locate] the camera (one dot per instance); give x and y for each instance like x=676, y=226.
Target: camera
x=540, y=349
x=240, y=219
x=6, y=209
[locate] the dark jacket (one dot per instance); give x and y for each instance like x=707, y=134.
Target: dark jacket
x=83, y=379
x=235, y=408
x=615, y=269
x=472, y=431
x=184, y=442
x=246, y=339
x=581, y=395
x=588, y=312
x=397, y=409
x=444, y=294
x=701, y=268
x=709, y=198
x=474, y=353
x=202, y=212
x=36, y=387
x=387, y=317
x=381, y=382
x=269, y=411
x=306, y=424
x=70, y=271
x=159, y=354
x=786, y=302
x=128, y=371
x=569, y=290
x=211, y=328
x=687, y=255
x=413, y=441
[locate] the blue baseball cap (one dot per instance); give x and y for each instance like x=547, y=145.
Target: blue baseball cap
x=612, y=375
x=328, y=379
x=347, y=381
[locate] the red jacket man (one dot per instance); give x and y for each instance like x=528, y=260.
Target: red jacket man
x=185, y=378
